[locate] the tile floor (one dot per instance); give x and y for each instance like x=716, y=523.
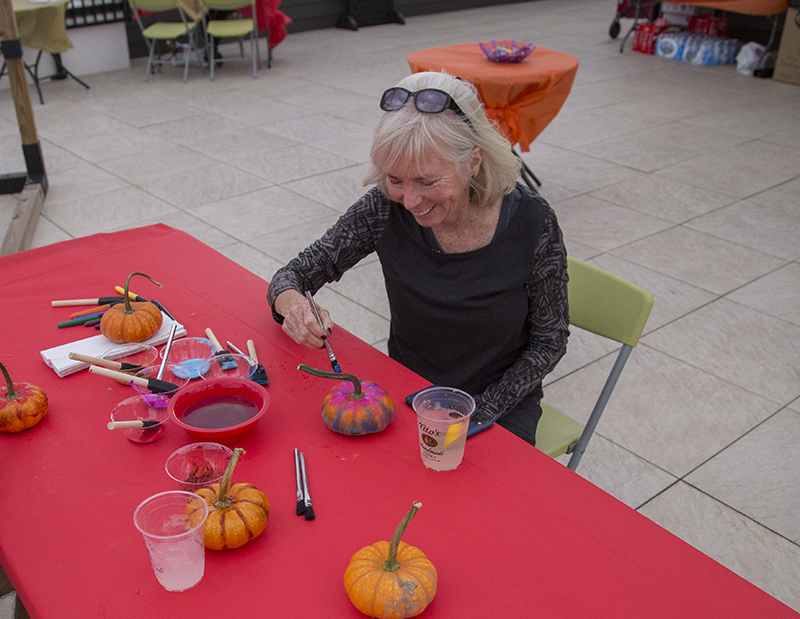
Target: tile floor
x=683, y=179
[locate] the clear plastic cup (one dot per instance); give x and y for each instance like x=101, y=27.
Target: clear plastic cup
x=228, y=365
x=172, y=526
x=443, y=419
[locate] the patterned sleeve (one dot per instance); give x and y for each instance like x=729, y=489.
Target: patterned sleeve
x=548, y=321
x=351, y=238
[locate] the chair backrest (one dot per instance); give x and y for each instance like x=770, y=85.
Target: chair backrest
x=606, y=304
x=609, y=306
x=229, y=5
x=153, y=6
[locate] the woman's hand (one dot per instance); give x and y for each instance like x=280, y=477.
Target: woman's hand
x=299, y=321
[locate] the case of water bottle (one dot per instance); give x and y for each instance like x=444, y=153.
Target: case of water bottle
x=696, y=48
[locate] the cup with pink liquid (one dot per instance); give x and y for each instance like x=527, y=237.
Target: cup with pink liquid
x=443, y=419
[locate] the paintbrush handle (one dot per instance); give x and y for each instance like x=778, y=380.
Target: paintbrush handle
x=210, y=335
x=251, y=348
x=106, y=363
x=95, y=369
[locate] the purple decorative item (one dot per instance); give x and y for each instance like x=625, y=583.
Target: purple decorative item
x=506, y=50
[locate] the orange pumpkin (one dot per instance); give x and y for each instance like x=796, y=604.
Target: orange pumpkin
x=391, y=580
x=354, y=407
x=22, y=406
x=237, y=513
x=131, y=322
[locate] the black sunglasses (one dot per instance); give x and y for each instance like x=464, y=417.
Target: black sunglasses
x=427, y=101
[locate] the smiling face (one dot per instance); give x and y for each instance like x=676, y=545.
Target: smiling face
x=432, y=191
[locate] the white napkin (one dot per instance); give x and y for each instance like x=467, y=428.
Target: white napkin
x=98, y=345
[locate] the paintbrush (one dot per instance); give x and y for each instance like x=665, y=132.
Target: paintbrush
x=331, y=355
x=152, y=384
x=94, y=301
x=301, y=504
x=309, y=510
x=223, y=356
x=106, y=363
x=260, y=374
x=139, y=423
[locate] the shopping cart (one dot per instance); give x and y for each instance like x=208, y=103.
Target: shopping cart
x=637, y=9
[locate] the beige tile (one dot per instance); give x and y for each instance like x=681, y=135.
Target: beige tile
x=619, y=472
x=575, y=171
x=355, y=318
x=353, y=145
x=292, y=163
x=117, y=209
x=758, y=555
x=190, y=129
x=699, y=259
x=77, y=182
x=254, y=261
x=313, y=127
x=364, y=284
x=757, y=475
x=338, y=189
x=198, y=186
x=773, y=229
x=738, y=344
x=47, y=233
x=603, y=225
x=748, y=122
x=583, y=348
x=284, y=244
x=663, y=197
x=739, y=170
x=671, y=297
x=247, y=108
x=663, y=409
x=141, y=167
x=776, y=294
x=250, y=215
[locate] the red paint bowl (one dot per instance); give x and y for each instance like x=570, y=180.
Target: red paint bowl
x=220, y=410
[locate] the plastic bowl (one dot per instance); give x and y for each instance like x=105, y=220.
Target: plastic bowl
x=191, y=353
x=198, y=465
x=228, y=366
x=506, y=50
x=136, y=408
x=142, y=355
x=219, y=400
x=175, y=374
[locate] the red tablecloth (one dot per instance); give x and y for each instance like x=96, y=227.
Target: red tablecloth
x=512, y=532
x=521, y=97
x=270, y=17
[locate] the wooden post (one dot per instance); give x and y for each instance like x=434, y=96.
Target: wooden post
x=32, y=185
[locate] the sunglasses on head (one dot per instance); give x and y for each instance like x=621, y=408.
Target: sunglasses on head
x=427, y=101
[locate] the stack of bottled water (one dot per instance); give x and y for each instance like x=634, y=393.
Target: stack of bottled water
x=696, y=48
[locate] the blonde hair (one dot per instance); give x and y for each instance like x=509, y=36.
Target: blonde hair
x=409, y=136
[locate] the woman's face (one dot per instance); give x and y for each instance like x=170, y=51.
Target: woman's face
x=432, y=192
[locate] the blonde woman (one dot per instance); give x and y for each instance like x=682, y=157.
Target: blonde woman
x=474, y=263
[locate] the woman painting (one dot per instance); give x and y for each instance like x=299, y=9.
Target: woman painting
x=474, y=263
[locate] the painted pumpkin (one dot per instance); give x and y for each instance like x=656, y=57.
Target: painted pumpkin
x=131, y=322
x=237, y=513
x=391, y=580
x=354, y=407
x=22, y=406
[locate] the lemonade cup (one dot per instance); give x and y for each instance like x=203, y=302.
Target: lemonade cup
x=172, y=526
x=443, y=420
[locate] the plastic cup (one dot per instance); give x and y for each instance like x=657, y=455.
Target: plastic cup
x=443, y=419
x=228, y=366
x=191, y=353
x=172, y=526
x=173, y=373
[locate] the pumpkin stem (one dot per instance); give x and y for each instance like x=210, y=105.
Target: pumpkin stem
x=9, y=384
x=128, y=309
x=357, y=392
x=223, y=500
x=391, y=564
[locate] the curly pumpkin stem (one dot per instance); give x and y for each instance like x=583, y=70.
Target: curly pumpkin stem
x=391, y=564
x=357, y=392
x=9, y=384
x=223, y=500
x=128, y=309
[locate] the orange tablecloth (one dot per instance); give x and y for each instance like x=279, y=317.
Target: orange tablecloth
x=512, y=532
x=521, y=97
x=748, y=7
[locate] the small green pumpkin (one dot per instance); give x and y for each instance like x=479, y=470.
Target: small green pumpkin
x=354, y=407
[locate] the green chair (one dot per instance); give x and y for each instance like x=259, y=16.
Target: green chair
x=610, y=306
x=236, y=27
x=165, y=31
